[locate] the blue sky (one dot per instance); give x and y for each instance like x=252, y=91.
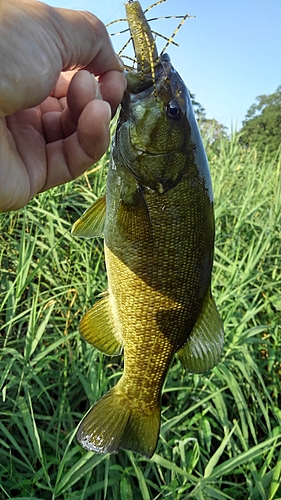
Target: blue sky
x=229, y=53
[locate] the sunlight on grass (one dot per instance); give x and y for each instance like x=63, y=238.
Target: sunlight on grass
x=221, y=431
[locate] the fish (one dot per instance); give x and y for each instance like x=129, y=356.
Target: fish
x=157, y=220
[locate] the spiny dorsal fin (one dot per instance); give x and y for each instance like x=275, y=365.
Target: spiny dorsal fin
x=91, y=223
x=97, y=327
x=203, y=348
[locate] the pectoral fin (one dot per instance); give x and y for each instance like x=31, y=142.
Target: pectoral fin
x=203, y=348
x=97, y=327
x=133, y=217
x=91, y=223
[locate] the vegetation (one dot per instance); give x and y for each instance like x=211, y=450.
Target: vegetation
x=262, y=124
x=210, y=128
x=221, y=431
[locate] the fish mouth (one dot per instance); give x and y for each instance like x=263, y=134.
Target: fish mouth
x=165, y=85
x=149, y=77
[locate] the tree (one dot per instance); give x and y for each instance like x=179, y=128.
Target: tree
x=262, y=125
x=212, y=130
x=209, y=127
x=198, y=109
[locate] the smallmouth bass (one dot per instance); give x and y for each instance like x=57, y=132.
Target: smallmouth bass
x=158, y=225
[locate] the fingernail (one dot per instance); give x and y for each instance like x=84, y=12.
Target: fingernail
x=121, y=64
x=108, y=118
x=97, y=87
x=125, y=82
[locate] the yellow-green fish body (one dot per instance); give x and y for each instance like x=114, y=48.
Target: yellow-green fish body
x=158, y=226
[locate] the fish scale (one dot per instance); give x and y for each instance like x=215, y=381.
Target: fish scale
x=158, y=225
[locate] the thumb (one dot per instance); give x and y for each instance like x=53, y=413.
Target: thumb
x=38, y=42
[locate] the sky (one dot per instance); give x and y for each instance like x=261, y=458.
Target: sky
x=229, y=54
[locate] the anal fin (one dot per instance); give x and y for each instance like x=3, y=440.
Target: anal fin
x=97, y=327
x=203, y=348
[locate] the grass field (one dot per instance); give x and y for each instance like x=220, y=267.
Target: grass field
x=221, y=431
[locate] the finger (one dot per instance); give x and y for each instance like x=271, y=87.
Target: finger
x=93, y=128
x=112, y=87
x=82, y=89
x=58, y=125
x=52, y=126
x=50, y=104
x=61, y=87
x=70, y=157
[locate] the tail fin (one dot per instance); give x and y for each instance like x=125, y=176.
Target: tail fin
x=114, y=422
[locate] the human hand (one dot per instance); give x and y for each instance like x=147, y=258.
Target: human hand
x=54, y=125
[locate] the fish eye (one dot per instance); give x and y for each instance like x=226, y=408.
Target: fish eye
x=173, y=111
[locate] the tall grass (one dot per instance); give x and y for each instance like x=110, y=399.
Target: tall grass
x=221, y=431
